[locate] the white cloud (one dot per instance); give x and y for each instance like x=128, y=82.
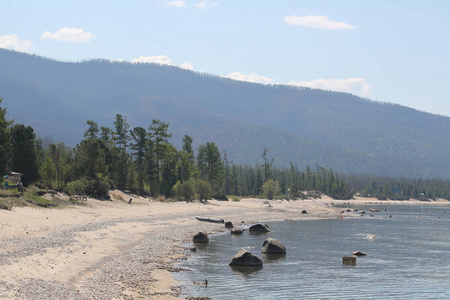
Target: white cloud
x=176, y=3
x=357, y=86
x=162, y=60
x=12, y=42
x=252, y=77
x=187, y=66
x=319, y=22
x=66, y=34
x=158, y=59
x=206, y=4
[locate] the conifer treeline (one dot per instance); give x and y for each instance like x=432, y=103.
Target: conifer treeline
x=142, y=160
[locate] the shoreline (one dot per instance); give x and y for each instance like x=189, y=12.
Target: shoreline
x=112, y=249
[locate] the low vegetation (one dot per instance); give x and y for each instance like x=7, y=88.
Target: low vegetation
x=31, y=198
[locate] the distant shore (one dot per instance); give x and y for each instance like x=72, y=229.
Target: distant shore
x=112, y=249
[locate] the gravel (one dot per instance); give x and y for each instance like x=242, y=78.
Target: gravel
x=115, y=274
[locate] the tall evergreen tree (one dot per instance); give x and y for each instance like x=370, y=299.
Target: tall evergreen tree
x=90, y=159
x=139, y=146
x=5, y=142
x=107, y=135
x=169, y=169
x=227, y=174
x=209, y=162
x=159, y=136
x=187, y=168
x=267, y=164
x=25, y=158
x=121, y=136
x=92, y=131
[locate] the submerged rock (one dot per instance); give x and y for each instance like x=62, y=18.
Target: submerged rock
x=358, y=253
x=237, y=231
x=259, y=228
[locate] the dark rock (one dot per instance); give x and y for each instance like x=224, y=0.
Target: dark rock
x=201, y=238
x=228, y=225
x=237, y=231
x=245, y=258
x=358, y=253
x=259, y=228
x=350, y=261
x=304, y=212
x=273, y=246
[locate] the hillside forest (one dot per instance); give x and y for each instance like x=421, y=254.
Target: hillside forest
x=305, y=126
x=143, y=161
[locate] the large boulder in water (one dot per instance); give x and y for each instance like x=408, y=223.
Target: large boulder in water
x=201, y=238
x=259, y=228
x=273, y=246
x=245, y=259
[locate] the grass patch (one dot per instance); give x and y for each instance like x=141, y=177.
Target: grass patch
x=235, y=198
x=32, y=198
x=5, y=205
x=38, y=200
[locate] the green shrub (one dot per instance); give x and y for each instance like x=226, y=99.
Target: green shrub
x=204, y=189
x=77, y=187
x=270, y=188
x=221, y=197
x=177, y=190
x=98, y=187
x=188, y=190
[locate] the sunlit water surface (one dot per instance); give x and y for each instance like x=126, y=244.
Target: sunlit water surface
x=408, y=259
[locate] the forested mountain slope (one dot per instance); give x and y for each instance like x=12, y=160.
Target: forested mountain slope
x=305, y=126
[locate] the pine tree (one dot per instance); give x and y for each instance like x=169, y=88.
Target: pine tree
x=139, y=147
x=159, y=136
x=121, y=136
x=5, y=142
x=25, y=158
x=92, y=131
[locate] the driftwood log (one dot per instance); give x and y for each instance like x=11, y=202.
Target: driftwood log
x=212, y=220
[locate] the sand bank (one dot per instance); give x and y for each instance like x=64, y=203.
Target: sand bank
x=116, y=250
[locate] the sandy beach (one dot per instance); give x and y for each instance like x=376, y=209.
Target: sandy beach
x=116, y=250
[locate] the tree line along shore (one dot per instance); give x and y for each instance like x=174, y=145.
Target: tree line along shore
x=144, y=162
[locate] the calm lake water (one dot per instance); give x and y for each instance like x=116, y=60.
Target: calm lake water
x=408, y=259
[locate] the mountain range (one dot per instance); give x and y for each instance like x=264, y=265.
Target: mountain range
x=300, y=125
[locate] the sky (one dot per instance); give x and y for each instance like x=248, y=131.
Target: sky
x=391, y=51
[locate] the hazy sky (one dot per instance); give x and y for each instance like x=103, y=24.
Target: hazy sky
x=391, y=51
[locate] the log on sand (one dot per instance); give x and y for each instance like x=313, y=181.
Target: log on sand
x=212, y=220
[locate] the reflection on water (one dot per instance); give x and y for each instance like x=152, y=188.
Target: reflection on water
x=271, y=258
x=245, y=270
x=408, y=259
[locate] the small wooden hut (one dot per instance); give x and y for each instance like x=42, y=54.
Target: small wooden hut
x=13, y=178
